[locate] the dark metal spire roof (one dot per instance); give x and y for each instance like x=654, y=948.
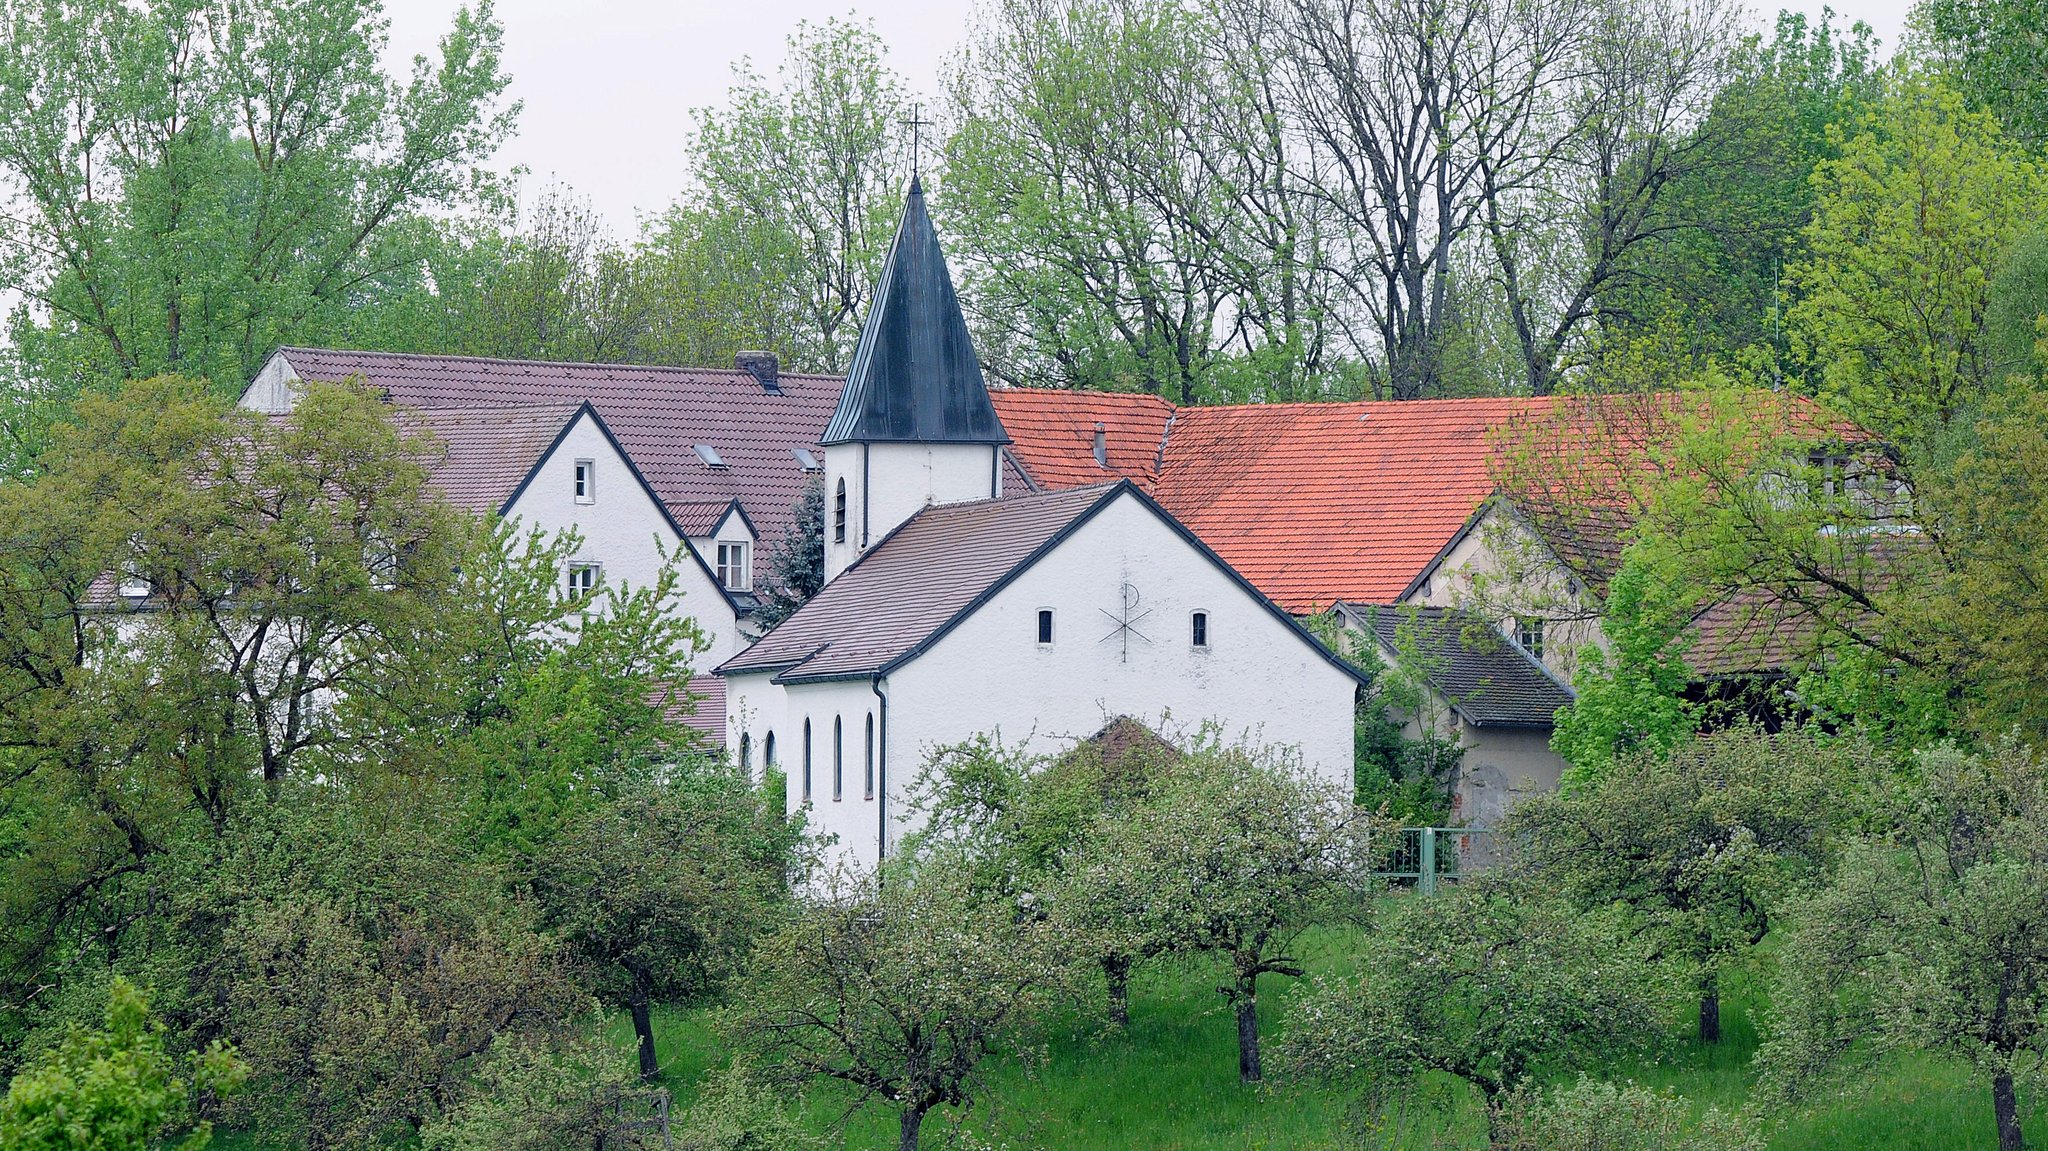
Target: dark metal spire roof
x=915, y=378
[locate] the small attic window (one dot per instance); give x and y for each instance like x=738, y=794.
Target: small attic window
x=807, y=459
x=709, y=455
x=1045, y=626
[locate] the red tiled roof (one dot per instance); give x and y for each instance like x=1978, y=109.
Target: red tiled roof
x=660, y=415
x=1052, y=434
x=699, y=518
x=1312, y=503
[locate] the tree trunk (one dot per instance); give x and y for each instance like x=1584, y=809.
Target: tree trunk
x=913, y=1120
x=2006, y=1106
x=1117, y=970
x=1710, y=1008
x=1246, y=1000
x=643, y=1026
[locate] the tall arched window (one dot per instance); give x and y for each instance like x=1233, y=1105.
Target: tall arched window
x=807, y=760
x=839, y=513
x=871, y=756
x=768, y=752
x=838, y=758
x=747, y=755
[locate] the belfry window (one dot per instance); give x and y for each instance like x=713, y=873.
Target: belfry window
x=839, y=513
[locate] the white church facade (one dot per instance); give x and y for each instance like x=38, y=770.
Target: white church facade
x=950, y=610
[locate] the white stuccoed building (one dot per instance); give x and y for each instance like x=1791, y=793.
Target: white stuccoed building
x=951, y=611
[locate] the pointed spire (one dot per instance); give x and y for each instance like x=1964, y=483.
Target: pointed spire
x=915, y=377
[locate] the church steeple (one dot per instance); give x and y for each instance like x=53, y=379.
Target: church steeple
x=915, y=377
x=914, y=426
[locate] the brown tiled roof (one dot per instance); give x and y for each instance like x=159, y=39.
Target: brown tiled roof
x=660, y=415
x=912, y=584
x=487, y=452
x=699, y=518
x=1487, y=678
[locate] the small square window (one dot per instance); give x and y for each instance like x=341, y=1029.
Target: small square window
x=584, y=578
x=1198, y=630
x=1045, y=626
x=734, y=570
x=1529, y=634
x=586, y=481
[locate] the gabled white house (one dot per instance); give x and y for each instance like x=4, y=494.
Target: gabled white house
x=949, y=611
x=1042, y=618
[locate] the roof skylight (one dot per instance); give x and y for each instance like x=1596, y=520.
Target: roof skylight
x=709, y=455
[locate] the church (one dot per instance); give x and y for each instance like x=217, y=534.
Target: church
x=953, y=608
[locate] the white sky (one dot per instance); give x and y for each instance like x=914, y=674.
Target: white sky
x=608, y=84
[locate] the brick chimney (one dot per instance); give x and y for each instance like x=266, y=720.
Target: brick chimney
x=765, y=367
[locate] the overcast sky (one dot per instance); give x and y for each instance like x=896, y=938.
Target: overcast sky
x=608, y=84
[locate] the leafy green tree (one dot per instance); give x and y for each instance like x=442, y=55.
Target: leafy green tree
x=192, y=184
x=1630, y=695
x=1704, y=843
x=115, y=1088
x=1996, y=52
x=1483, y=983
x=1235, y=852
x=537, y=1096
x=802, y=182
x=898, y=984
x=796, y=568
x=1931, y=936
x=665, y=888
x=1914, y=217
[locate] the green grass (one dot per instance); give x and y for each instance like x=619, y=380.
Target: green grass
x=1169, y=1083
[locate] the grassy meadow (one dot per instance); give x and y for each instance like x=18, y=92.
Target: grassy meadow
x=1169, y=1083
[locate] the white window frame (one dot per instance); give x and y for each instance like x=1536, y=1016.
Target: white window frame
x=738, y=575
x=584, y=485
x=592, y=573
x=1527, y=627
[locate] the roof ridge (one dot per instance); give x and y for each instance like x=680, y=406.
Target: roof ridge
x=286, y=348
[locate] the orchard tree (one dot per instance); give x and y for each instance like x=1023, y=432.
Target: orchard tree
x=1595, y=1116
x=1704, y=843
x=664, y=889
x=1931, y=937
x=898, y=984
x=1482, y=983
x=1235, y=852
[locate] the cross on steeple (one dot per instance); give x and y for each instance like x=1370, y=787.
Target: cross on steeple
x=915, y=123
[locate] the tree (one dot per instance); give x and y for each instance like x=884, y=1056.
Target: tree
x=898, y=984
x=1931, y=936
x=1996, y=52
x=1128, y=213
x=1914, y=217
x=1630, y=697
x=1481, y=983
x=807, y=177
x=665, y=888
x=1232, y=851
x=114, y=1089
x=191, y=184
x=796, y=568
x=1704, y=843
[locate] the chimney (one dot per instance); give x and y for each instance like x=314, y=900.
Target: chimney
x=1101, y=446
x=765, y=367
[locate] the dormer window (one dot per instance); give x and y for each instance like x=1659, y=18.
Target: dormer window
x=586, y=481
x=709, y=455
x=1529, y=635
x=735, y=572
x=1045, y=627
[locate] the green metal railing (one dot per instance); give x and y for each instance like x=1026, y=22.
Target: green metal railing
x=1428, y=856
